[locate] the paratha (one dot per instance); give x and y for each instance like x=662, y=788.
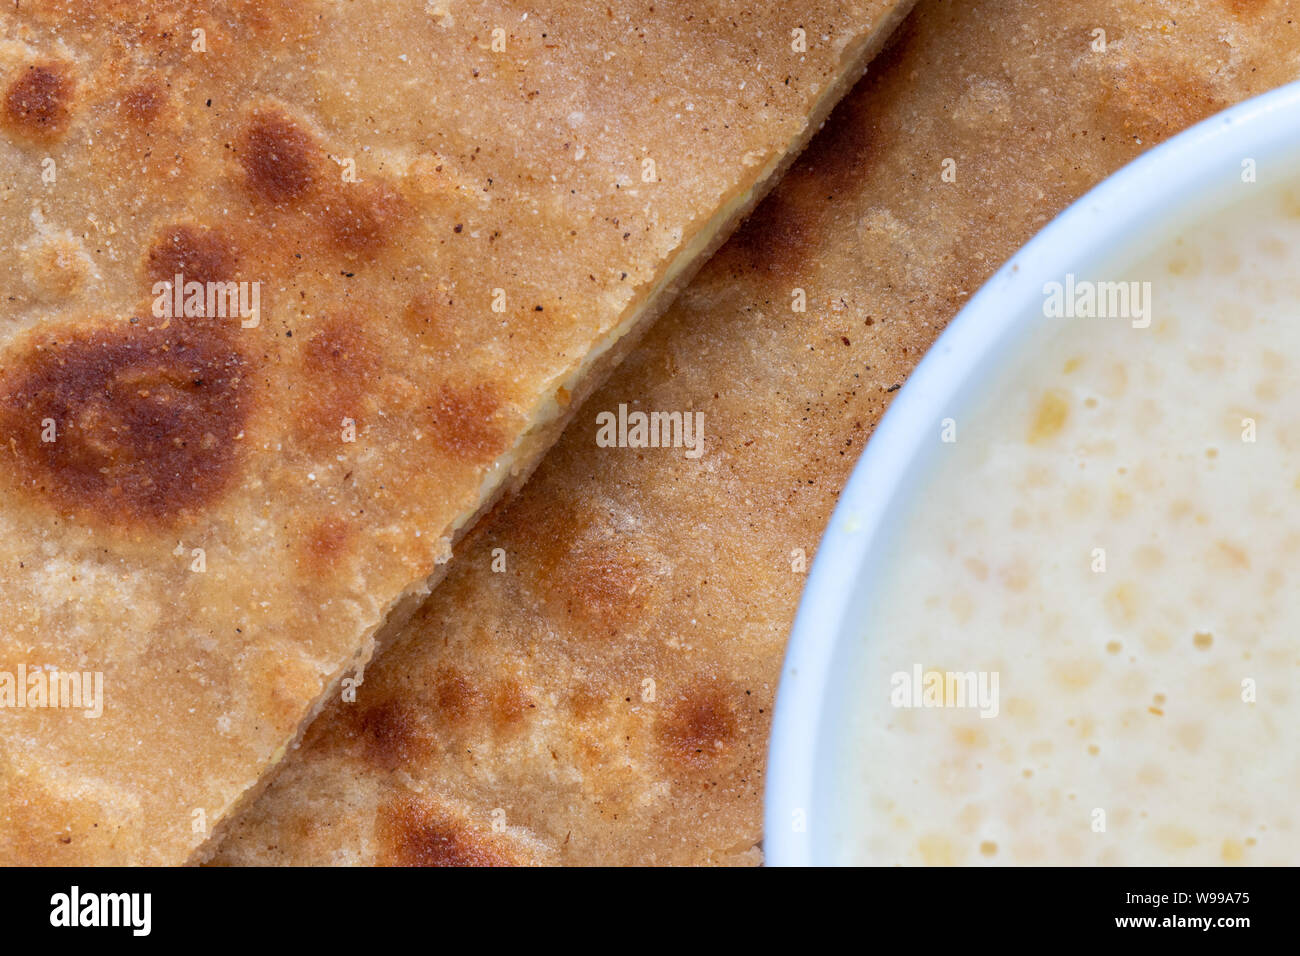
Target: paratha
x=295, y=291
x=512, y=721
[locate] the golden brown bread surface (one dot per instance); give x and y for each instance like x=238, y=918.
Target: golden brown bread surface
x=521, y=693
x=521, y=696
x=452, y=212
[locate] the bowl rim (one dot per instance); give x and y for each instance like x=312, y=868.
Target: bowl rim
x=1152, y=187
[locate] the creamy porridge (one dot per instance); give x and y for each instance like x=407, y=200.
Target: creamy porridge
x=1087, y=647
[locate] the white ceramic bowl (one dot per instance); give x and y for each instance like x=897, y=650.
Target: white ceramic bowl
x=1187, y=176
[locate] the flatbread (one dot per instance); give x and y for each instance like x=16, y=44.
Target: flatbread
x=521, y=696
x=454, y=217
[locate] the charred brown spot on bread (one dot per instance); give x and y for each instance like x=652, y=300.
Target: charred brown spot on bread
x=38, y=103
x=1245, y=8
x=603, y=583
x=456, y=698
x=390, y=732
x=1151, y=104
x=607, y=580
x=195, y=252
x=428, y=322
x=143, y=102
x=279, y=158
x=699, y=727
x=413, y=832
x=48, y=826
x=586, y=699
x=464, y=423
x=144, y=423
x=362, y=218
x=328, y=541
x=510, y=704
x=339, y=364
x=582, y=570
x=339, y=352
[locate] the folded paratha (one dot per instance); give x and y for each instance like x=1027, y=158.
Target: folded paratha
x=294, y=291
x=604, y=695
